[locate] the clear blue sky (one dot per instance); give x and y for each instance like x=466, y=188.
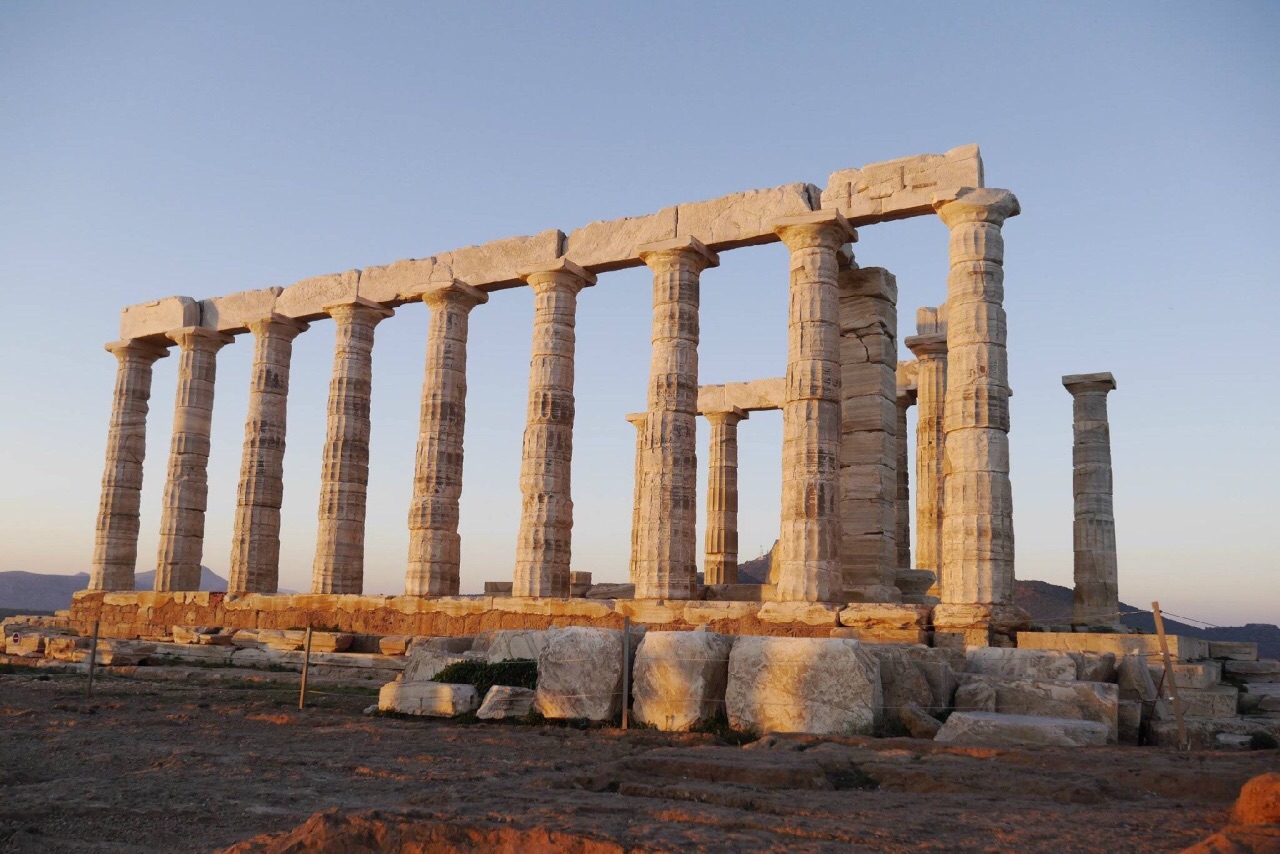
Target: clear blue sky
x=149, y=149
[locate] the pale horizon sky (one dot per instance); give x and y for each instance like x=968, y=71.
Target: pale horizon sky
x=149, y=149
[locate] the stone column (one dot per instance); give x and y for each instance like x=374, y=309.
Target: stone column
x=809, y=544
x=255, y=543
x=637, y=420
x=720, y=563
x=868, y=434
x=434, y=544
x=344, y=472
x=977, y=540
x=930, y=350
x=666, y=531
x=902, y=507
x=543, y=547
x=1097, y=597
x=186, y=490
x=115, y=544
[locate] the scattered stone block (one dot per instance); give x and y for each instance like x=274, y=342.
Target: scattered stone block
x=423, y=664
x=1090, y=701
x=25, y=643
x=1234, y=650
x=505, y=701
x=67, y=648
x=1180, y=648
x=975, y=696
x=611, y=591
x=1134, y=679
x=989, y=729
x=1020, y=663
x=1231, y=741
x=1217, y=702
x=680, y=678
x=455, y=645
x=330, y=641
x=823, y=686
x=1265, y=695
x=1129, y=721
x=433, y=699
x=579, y=583
x=506, y=644
x=1199, y=674
x=498, y=588
x=918, y=722
x=1266, y=670
x=394, y=644
x=915, y=674
x=1095, y=666
x=580, y=674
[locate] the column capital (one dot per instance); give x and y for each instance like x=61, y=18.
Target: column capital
x=637, y=419
x=1084, y=383
x=136, y=350
x=357, y=309
x=906, y=397
x=562, y=272
x=729, y=416
x=199, y=338
x=928, y=346
x=279, y=326
x=825, y=229
x=454, y=292
x=985, y=204
x=687, y=251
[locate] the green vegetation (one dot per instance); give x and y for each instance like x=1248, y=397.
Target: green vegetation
x=515, y=672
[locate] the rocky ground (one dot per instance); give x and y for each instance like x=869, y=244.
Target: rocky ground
x=190, y=767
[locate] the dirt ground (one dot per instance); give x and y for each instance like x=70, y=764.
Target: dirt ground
x=186, y=767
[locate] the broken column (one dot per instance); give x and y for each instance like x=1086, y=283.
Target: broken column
x=869, y=428
x=255, y=542
x=434, y=544
x=344, y=472
x=186, y=490
x=977, y=556
x=115, y=544
x=666, y=531
x=902, y=507
x=543, y=547
x=930, y=349
x=720, y=562
x=1097, y=598
x=809, y=548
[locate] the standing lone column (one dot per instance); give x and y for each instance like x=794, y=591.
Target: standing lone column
x=666, y=532
x=186, y=491
x=930, y=349
x=115, y=544
x=902, y=509
x=1097, y=597
x=720, y=563
x=977, y=546
x=544, y=545
x=809, y=546
x=435, y=549
x=344, y=472
x=255, y=543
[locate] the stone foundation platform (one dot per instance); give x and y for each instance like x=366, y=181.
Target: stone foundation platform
x=142, y=614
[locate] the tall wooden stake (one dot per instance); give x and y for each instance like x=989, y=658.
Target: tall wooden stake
x=626, y=671
x=93, y=658
x=1183, y=742
x=306, y=665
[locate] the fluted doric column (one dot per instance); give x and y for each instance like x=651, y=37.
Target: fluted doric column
x=115, y=544
x=255, y=542
x=902, y=507
x=809, y=566
x=544, y=544
x=720, y=562
x=435, y=549
x=186, y=491
x=666, y=531
x=1097, y=596
x=977, y=546
x=930, y=349
x=637, y=420
x=344, y=472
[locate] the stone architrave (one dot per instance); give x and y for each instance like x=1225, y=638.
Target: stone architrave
x=543, y=547
x=637, y=420
x=868, y=427
x=435, y=549
x=720, y=561
x=977, y=547
x=930, y=349
x=902, y=507
x=186, y=490
x=344, y=472
x=1097, y=597
x=666, y=532
x=255, y=542
x=115, y=545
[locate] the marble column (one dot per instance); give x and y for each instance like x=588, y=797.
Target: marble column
x=720, y=562
x=902, y=507
x=977, y=540
x=543, y=546
x=435, y=549
x=808, y=555
x=344, y=473
x=868, y=434
x=115, y=544
x=930, y=349
x=637, y=420
x=255, y=542
x=666, y=532
x=1097, y=597
x=186, y=490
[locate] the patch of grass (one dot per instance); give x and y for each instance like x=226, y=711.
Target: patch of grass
x=719, y=727
x=515, y=672
x=16, y=669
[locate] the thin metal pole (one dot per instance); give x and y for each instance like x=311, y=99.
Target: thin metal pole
x=93, y=658
x=626, y=671
x=1183, y=742
x=306, y=665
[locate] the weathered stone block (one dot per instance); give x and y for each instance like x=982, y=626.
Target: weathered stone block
x=1199, y=674
x=611, y=245
x=903, y=187
x=743, y=219
x=401, y=281
x=1095, y=666
x=1020, y=663
x=506, y=644
x=499, y=263
x=433, y=699
x=1091, y=701
x=580, y=674
x=506, y=701
x=394, y=644
x=991, y=729
x=1266, y=670
x=1216, y=702
x=1234, y=650
x=1129, y=721
x=306, y=300
x=1180, y=648
x=155, y=318
x=914, y=674
x=680, y=678
x=234, y=312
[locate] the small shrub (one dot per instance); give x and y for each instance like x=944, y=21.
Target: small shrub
x=719, y=727
x=515, y=672
x=1263, y=741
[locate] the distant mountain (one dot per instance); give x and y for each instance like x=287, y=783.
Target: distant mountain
x=40, y=592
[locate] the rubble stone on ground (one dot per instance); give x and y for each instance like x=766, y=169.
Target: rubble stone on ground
x=988, y=729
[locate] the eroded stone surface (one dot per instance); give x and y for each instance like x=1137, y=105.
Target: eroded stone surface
x=580, y=674
x=506, y=701
x=680, y=678
x=433, y=699
x=991, y=729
